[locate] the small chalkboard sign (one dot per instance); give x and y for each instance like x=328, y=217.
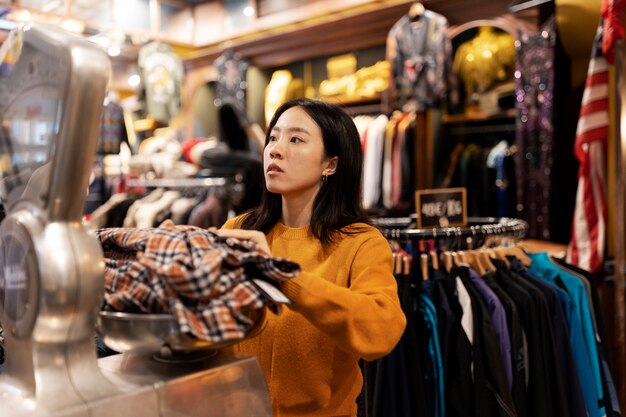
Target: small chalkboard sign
x=444, y=207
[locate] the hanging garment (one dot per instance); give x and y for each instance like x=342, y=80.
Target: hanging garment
x=373, y=160
x=130, y=220
x=489, y=376
x=399, y=387
x=485, y=61
x=456, y=350
x=112, y=129
x=534, y=77
x=573, y=369
x=420, y=55
x=162, y=75
x=434, y=379
x=612, y=404
x=396, y=160
x=544, y=268
x=519, y=347
x=147, y=213
x=100, y=216
x=536, y=325
x=231, y=85
x=390, y=133
x=498, y=319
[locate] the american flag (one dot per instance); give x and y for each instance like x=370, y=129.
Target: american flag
x=586, y=246
x=612, y=12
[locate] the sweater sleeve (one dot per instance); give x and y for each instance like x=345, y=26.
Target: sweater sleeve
x=233, y=223
x=364, y=319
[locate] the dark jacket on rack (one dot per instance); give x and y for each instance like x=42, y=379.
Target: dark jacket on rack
x=456, y=350
x=611, y=401
x=564, y=367
x=398, y=388
x=519, y=350
x=544, y=398
x=490, y=382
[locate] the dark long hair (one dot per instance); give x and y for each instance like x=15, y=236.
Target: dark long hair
x=338, y=202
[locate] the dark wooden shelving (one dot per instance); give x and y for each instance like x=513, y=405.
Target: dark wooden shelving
x=478, y=117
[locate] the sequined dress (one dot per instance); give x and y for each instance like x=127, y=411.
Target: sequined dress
x=534, y=77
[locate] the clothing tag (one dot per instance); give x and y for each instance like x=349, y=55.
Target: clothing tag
x=273, y=293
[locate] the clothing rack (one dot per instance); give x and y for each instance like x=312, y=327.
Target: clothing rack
x=510, y=342
x=518, y=6
x=477, y=228
x=178, y=182
x=371, y=108
x=478, y=130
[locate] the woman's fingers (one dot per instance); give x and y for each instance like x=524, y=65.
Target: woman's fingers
x=252, y=235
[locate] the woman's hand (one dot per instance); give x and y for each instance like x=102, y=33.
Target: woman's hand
x=252, y=235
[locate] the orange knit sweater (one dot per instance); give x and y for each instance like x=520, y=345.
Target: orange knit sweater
x=345, y=307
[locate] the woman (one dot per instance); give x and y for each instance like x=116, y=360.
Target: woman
x=345, y=303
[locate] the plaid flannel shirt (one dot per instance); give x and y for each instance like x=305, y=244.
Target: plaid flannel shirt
x=200, y=278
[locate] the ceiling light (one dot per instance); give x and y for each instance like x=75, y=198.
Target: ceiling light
x=20, y=16
x=113, y=50
x=134, y=80
x=248, y=11
x=73, y=25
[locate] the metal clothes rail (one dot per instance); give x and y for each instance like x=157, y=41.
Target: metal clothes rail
x=179, y=182
x=478, y=228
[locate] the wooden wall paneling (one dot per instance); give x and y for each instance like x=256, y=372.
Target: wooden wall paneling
x=432, y=133
x=267, y=7
x=461, y=11
x=194, y=79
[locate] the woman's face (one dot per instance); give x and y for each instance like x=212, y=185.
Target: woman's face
x=294, y=159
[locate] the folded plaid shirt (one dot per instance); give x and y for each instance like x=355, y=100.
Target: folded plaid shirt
x=203, y=279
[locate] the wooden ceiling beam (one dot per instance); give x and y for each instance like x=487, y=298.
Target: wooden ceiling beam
x=309, y=39
x=338, y=33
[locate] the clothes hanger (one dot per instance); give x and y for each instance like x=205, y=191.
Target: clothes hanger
x=519, y=254
x=394, y=262
x=483, y=255
x=434, y=260
x=500, y=254
x=424, y=266
x=406, y=264
x=456, y=259
x=472, y=258
x=416, y=10
x=446, y=260
x=490, y=253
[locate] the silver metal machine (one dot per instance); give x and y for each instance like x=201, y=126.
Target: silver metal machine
x=52, y=87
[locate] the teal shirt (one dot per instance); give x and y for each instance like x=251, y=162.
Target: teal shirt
x=543, y=267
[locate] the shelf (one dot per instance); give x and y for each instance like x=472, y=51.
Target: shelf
x=351, y=101
x=356, y=106
x=478, y=117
